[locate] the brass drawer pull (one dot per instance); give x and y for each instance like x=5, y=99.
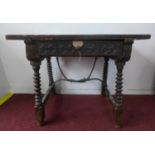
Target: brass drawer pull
x=77, y=44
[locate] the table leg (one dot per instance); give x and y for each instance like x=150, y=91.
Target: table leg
x=50, y=74
x=39, y=107
x=105, y=74
x=118, y=93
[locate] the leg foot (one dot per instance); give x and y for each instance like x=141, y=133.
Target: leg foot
x=118, y=112
x=40, y=114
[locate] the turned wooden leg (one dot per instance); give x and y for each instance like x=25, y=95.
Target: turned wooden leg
x=39, y=107
x=50, y=74
x=105, y=74
x=118, y=93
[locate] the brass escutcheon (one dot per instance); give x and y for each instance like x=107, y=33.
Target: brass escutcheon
x=77, y=44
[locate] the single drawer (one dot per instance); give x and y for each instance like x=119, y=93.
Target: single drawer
x=79, y=48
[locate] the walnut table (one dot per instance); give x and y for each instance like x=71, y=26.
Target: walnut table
x=116, y=47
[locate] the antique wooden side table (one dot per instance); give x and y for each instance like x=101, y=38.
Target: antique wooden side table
x=116, y=47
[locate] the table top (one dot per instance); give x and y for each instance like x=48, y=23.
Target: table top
x=80, y=37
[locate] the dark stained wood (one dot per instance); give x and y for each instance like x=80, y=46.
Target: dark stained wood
x=39, y=108
x=105, y=75
x=40, y=114
x=46, y=95
x=118, y=92
x=89, y=48
x=116, y=47
x=80, y=37
x=50, y=75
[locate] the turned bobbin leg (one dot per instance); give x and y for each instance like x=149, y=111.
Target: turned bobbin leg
x=118, y=93
x=39, y=108
x=105, y=74
x=50, y=74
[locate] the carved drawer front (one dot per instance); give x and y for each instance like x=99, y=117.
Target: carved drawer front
x=79, y=48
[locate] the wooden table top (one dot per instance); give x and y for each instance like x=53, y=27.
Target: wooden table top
x=80, y=37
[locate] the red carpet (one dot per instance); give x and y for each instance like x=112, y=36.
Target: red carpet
x=78, y=112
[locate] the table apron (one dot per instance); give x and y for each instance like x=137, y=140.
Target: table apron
x=74, y=49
